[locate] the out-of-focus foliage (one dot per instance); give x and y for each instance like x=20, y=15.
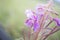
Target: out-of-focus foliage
x=12, y=14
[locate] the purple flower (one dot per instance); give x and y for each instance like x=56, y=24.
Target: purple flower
x=40, y=19
x=34, y=16
x=40, y=9
x=57, y=20
x=29, y=13
x=31, y=19
x=29, y=22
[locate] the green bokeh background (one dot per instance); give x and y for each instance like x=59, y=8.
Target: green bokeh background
x=12, y=16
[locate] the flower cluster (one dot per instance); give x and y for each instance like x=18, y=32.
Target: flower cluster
x=37, y=20
x=33, y=17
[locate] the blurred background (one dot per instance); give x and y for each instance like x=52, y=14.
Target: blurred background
x=12, y=16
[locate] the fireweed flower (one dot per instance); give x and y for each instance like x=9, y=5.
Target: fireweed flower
x=39, y=10
x=32, y=19
x=29, y=13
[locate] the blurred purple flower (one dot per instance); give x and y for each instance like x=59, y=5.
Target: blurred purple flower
x=29, y=13
x=40, y=9
x=40, y=19
x=29, y=22
x=57, y=20
x=34, y=16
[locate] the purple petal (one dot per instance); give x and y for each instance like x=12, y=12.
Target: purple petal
x=40, y=9
x=29, y=13
x=57, y=20
x=36, y=26
x=29, y=22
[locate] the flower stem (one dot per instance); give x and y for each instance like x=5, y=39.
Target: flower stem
x=48, y=24
x=52, y=31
